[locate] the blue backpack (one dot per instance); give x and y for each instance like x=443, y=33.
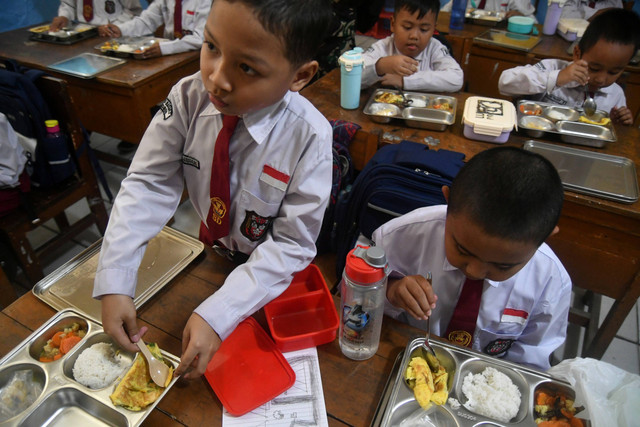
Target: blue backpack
x=398, y=179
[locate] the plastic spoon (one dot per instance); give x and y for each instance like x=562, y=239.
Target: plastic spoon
x=589, y=106
x=158, y=371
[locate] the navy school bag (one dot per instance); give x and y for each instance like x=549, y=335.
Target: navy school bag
x=398, y=179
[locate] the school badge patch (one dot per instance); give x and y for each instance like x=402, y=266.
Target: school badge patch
x=498, y=347
x=254, y=226
x=167, y=108
x=462, y=338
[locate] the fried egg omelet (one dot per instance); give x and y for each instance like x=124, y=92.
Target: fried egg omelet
x=137, y=390
x=428, y=387
x=603, y=122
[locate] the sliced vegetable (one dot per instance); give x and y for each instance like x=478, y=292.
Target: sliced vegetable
x=67, y=343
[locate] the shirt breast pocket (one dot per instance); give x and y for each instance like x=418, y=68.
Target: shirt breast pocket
x=254, y=216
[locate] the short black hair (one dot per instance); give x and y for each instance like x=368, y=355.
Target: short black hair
x=510, y=193
x=301, y=25
x=420, y=6
x=614, y=25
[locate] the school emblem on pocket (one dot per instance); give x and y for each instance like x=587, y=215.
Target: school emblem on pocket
x=498, y=347
x=254, y=226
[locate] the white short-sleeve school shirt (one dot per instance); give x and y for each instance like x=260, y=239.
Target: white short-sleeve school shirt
x=104, y=11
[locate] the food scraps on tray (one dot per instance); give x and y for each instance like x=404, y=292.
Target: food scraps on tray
x=389, y=98
x=62, y=342
x=555, y=409
x=137, y=390
x=429, y=385
x=442, y=106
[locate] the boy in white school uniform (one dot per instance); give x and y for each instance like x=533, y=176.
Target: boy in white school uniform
x=489, y=239
x=411, y=58
x=599, y=58
x=257, y=54
x=95, y=12
x=509, y=7
x=183, y=22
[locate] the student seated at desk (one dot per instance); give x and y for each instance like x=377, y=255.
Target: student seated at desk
x=496, y=286
x=510, y=7
x=411, y=58
x=96, y=12
x=587, y=9
x=262, y=198
x=183, y=25
x=599, y=58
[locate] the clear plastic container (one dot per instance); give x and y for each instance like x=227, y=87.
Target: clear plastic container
x=488, y=119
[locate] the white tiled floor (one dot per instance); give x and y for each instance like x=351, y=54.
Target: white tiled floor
x=624, y=351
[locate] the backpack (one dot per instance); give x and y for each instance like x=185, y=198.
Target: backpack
x=398, y=179
x=27, y=110
x=342, y=177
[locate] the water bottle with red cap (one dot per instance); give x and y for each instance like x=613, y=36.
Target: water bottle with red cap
x=362, y=290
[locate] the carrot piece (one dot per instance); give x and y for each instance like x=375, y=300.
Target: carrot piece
x=555, y=423
x=57, y=337
x=57, y=356
x=45, y=359
x=67, y=343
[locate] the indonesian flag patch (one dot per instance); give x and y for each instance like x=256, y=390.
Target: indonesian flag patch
x=511, y=315
x=274, y=178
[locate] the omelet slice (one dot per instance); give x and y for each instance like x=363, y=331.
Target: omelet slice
x=429, y=385
x=603, y=122
x=137, y=390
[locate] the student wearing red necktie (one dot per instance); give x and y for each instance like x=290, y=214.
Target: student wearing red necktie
x=509, y=7
x=243, y=109
x=183, y=22
x=496, y=286
x=95, y=12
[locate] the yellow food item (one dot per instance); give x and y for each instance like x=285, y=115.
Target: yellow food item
x=605, y=121
x=389, y=98
x=428, y=387
x=137, y=390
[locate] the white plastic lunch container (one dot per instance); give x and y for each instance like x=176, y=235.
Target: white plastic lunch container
x=488, y=119
x=571, y=29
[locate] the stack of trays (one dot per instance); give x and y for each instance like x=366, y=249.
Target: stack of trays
x=398, y=402
x=64, y=401
x=539, y=119
x=422, y=110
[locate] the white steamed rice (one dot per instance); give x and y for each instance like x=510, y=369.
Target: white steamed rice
x=98, y=366
x=492, y=394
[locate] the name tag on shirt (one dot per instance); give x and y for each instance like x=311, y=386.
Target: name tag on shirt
x=511, y=315
x=274, y=178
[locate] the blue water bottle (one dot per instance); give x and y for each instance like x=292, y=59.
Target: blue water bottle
x=458, y=10
x=351, y=63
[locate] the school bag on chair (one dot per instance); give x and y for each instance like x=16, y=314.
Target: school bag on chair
x=398, y=179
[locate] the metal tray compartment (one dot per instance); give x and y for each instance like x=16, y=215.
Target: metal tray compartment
x=566, y=124
x=128, y=47
x=587, y=172
x=64, y=401
x=398, y=402
x=68, y=35
x=424, y=110
x=71, y=285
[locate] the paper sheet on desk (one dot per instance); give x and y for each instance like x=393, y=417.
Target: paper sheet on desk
x=302, y=404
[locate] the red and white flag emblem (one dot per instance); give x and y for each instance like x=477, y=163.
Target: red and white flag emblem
x=274, y=177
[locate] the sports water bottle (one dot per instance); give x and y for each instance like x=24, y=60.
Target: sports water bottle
x=458, y=10
x=362, y=291
x=554, y=10
x=56, y=153
x=351, y=63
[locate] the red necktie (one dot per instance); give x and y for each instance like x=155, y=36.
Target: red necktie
x=87, y=10
x=482, y=3
x=592, y=4
x=218, y=218
x=177, y=20
x=463, y=322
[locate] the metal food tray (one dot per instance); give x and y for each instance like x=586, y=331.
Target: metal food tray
x=71, y=285
x=507, y=39
x=68, y=35
x=595, y=174
x=489, y=18
x=135, y=46
x=398, y=402
x=86, y=65
x=423, y=117
x=551, y=119
x=63, y=401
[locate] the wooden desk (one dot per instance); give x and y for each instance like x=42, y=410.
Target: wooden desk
x=116, y=102
x=194, y=403
x=599, y=240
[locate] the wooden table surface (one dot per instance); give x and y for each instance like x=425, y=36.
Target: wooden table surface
x=116, y=102
x=352, y=389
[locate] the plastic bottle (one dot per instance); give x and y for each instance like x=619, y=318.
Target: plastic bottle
x=554, y=10
x=56, y=152
x=351, y=63
x=458, y=10
x=362, y=290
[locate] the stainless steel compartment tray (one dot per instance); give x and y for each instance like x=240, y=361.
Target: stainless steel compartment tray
x=420, y=113
x=489, y=18
x=86, y=65
x=565, y=124
x=71, y=285
x=72, y=34
x=128, y=47
x=595, y=174
x=64, y=401
x=398, y=402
